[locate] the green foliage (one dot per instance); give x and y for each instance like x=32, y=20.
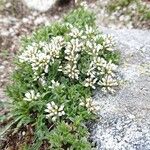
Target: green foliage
x=73, y=135
x=58, y=111
x=80, y=18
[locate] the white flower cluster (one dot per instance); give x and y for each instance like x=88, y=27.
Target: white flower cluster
x=109, y=42
x=54, y=111
x=54, y=84
x=31, y=95
x=90, y=105
x=100, y=67
x=69, y=50
x=108, y=83
x=41, y=59
x=72, y=49
x=84, y=4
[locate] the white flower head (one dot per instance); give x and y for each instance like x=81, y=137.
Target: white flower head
x=54, y=111
x=109, y=42
x=90, y=104
x=42, y=81
x=110, y=68
x=108, y=84
x=71, y=71
x=89, y=30
x=99, y=61
x=90, y=82
x=29, y=53
x=54, y=84
x=84, y=4
x=31, y=95
x=41, y=55
x=75, y=32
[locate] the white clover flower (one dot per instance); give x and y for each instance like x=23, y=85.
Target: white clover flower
x=91, y=71
x=60, y=68
x=107, y=89
x=97, y=37
x=89, y=44
x=101, y=71
x=84, y=4
x=54, y=111
x=110, y=68
x=58, y=40
x=42, y=54
x=109, y=42
x=29, y=53
x=108, y=83
x=74, y=45
x=42, y=44
x=75, y=32
x=99, y=61
x=41, y=61
x=42, y=80
x=53, y=49
x=96, y=48
x=31, y=95
x=72, y=58
x=89, y=30
x=93, y=48
x=70, y=26
x=90, y=82
x=91, y=105
x=54, y=84
x=71, y=71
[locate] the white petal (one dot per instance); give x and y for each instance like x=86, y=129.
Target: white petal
x=32, y=94
x=46, y=110
x=82, y=104
x=63, y=113
x=54, y=118
x=53, y=104
x=28, y=95
x=61, y=108
x=53, y=82
x=27, y=99
x=60, y=114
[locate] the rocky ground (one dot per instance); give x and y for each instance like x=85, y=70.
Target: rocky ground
x=125, y=117
x=123, y=18
x=125, y=122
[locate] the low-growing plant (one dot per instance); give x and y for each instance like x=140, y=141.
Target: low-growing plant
x=57, y=69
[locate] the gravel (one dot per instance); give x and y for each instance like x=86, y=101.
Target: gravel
x=125, y=116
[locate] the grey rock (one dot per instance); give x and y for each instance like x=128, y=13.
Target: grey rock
x=40, y=5
x=125, y=116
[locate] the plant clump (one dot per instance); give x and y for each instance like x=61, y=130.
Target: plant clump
x=57, y=70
